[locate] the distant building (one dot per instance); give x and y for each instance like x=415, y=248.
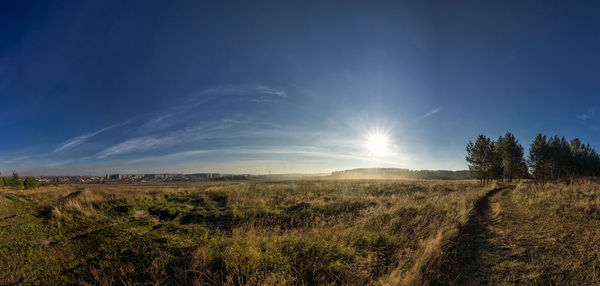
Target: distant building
x=113, y=177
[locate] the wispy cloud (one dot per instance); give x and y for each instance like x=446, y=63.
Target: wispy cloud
x=430, y=113
x=17, y=159
x=589, y=118
x=254, y=93
x=583, y=116
x=245, y=89
x=147, y=143
x=587, y=115
x=212, y=99
x=76, y=141
x=137, y=145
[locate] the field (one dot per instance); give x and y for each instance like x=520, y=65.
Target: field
x=387, y=232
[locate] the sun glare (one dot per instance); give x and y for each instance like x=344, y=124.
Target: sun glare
x=377, y=144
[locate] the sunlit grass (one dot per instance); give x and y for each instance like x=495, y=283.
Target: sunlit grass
x=309, y=232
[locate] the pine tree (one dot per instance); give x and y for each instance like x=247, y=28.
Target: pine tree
x=478, y=156
x=565, y=158
x=538, y=156
x=523, y=171
x=512, y=155
x=496, y=170
x=554, y=158
x=576, y=157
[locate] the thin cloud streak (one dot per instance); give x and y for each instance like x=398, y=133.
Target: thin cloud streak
x=254, y=93
x=76, y=141
x=136, y=145
x=430, y=113
x=244, y=89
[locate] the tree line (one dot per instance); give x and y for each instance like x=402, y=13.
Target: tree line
x=550, y=158
x=556, y=158
x=501, y=159
x=16, y=182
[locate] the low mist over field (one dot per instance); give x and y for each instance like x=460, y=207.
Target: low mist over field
x=393, y=173
x=299, y=142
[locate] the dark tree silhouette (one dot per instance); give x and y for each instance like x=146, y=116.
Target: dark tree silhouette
x=479, y=155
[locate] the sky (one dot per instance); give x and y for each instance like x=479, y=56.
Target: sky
x=96, y=87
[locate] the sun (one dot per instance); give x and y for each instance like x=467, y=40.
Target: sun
x=377, y=144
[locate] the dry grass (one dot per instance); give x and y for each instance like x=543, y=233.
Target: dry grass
x=269, y=233
x=384, y=232
x=561, y=198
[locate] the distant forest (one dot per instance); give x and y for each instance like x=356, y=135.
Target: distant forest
x=550, y=158
x=397, y=173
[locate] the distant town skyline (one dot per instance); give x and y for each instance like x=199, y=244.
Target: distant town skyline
x=238, y=87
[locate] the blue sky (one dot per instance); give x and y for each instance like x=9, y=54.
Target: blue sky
x=91, y=87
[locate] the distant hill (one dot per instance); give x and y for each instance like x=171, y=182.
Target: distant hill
x=397, y=173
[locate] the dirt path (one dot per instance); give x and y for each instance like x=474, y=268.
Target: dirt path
x=492, y=252
x=470, y=260
x=505, y=244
